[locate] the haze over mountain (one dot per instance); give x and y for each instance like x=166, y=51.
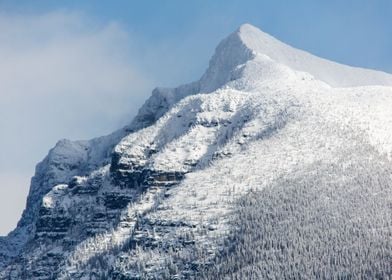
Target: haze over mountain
x=275, y=164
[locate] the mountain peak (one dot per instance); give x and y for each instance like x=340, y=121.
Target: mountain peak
x=231, y=52
x=257, y=40
x=249, y=41
x=248, y=29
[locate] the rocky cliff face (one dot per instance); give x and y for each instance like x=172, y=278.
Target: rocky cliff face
x=155, y=200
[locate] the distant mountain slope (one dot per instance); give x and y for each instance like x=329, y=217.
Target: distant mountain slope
x=275, y=164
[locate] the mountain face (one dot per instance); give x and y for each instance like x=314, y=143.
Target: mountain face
x=274, y=165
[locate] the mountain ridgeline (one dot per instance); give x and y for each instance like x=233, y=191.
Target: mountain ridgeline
x=276, y=164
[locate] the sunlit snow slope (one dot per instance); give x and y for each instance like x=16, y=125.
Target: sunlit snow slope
x=272, y=147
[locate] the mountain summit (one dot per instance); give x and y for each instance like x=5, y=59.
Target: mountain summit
x=275, y=164
x=334, y=74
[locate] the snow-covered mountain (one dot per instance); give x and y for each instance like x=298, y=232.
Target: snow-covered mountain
x=275, y=164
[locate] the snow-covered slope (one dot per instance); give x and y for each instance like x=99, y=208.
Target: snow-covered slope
x=155, y=200
x=336, y=75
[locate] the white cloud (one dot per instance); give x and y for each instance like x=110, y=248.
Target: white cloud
x=59, y=55
x=61, y=75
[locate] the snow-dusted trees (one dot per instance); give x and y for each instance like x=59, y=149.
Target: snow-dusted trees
x=330, y=221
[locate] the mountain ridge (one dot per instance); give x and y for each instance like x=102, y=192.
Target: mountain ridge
x=335, y=74
x=170, y=179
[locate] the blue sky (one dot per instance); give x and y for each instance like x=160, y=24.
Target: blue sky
x=79, y=69
x=330, y=28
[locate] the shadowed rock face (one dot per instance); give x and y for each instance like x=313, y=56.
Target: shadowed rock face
x=155, y=200
x=82, y=209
